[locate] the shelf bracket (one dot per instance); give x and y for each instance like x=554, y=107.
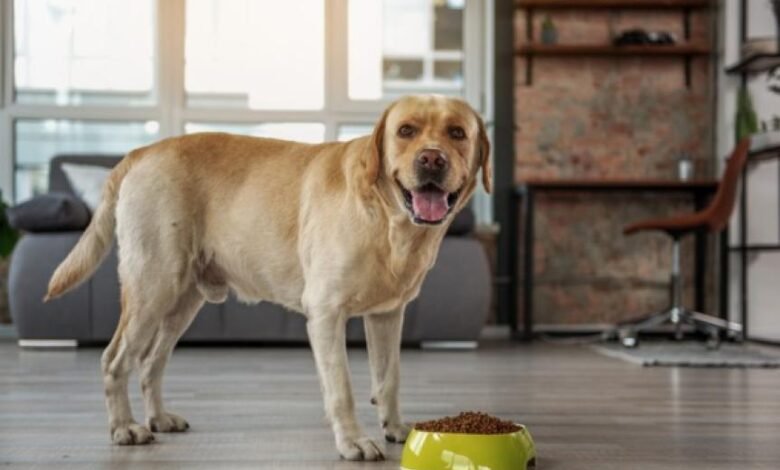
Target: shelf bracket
x=687, y=35
x=688, y=59
x=529, y=36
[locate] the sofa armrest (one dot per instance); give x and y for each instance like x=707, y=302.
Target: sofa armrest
x=34, y=259
x=455, y=297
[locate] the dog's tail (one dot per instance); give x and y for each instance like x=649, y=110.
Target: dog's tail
x=95, y=242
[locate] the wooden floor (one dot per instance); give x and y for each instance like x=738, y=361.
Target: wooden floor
x=260, y=408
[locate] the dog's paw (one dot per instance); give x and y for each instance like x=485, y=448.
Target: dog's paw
x=360, y=448
x=132, y=434
x=167, y=422
x=396, y=432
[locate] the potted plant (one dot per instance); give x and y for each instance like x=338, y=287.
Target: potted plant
x=8, y=238
x=746, y=120
x=549, y=31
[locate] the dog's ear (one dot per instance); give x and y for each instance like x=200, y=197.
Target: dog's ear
x=376, y=150
x=483, y=157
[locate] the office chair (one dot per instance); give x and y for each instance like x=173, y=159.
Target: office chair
x=713, y=218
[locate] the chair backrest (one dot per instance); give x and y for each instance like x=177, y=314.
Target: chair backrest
x=719, y=211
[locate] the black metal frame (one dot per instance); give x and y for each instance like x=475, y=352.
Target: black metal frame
x=743, y=247
x=504, y=209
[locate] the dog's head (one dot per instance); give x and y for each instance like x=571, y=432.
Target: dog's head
x=426, y=152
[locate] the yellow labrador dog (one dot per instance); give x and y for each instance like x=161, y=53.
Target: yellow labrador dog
x=332, y=231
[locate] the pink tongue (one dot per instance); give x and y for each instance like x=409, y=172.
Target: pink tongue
x=430, y=206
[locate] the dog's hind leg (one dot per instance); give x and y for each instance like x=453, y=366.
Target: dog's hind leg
x=131, y=339
x=156, y=251
x=152, y=364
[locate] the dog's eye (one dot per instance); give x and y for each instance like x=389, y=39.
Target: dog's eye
x=407, y=131
x=456, y=132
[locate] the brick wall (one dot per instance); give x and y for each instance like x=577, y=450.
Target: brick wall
x=608, y=117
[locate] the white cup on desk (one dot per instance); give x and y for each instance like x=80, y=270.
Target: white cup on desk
x=685, y=168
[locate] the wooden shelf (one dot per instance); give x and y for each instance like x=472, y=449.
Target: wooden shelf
x=755, y=63
x=685, y=51
x=535, y=49
x=623, y=4
x=618, y=184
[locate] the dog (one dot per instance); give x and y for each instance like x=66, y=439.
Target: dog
x=332, y=231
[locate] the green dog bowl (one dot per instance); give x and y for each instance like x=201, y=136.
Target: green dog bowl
x=452, y=451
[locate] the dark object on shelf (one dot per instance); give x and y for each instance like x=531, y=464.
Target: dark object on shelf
x=712, y=219
x=756, y=63
x=640, y=37
x=521, y=271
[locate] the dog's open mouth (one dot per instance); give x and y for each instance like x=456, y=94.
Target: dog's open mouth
x=428, y=204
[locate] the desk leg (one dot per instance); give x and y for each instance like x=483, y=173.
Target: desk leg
x=528, y=264
x=513, y=280
x=700, y=263
x=723, y=276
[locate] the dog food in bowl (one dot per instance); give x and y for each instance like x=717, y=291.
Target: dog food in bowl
x=469, y=422
x=470, y=440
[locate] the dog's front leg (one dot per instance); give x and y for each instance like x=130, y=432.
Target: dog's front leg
x=327, y=335
x=383, y=338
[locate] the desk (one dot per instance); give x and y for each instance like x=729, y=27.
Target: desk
x=700, y=190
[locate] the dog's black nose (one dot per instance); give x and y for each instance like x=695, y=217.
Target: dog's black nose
x=432, y=160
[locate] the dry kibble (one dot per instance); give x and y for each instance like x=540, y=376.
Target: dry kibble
x=469, y=422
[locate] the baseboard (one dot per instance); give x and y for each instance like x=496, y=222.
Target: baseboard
x=604, y=327
x=449, y=345
x=571, y=329
x=48, y=343
x=765, y=341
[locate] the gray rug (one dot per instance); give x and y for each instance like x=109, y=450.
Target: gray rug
x=692, y=354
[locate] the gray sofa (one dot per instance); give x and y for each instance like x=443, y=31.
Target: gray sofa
x=452, y=306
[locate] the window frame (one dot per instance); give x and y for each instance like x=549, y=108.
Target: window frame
x=170, y=109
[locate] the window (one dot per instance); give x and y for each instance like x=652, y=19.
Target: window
x=353, y=131
x=259, y=54
x=38, y=140
x=300, y=131
x=106, y=76
x=73, y=52
x=405, y=46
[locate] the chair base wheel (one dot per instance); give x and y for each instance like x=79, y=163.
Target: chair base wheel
x=628, y=338
x=713, y=329
x=713, y=344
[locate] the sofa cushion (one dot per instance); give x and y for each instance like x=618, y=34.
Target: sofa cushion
x=53, y=212
x=87, y=181
x=59, y=182
x=463, y=223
